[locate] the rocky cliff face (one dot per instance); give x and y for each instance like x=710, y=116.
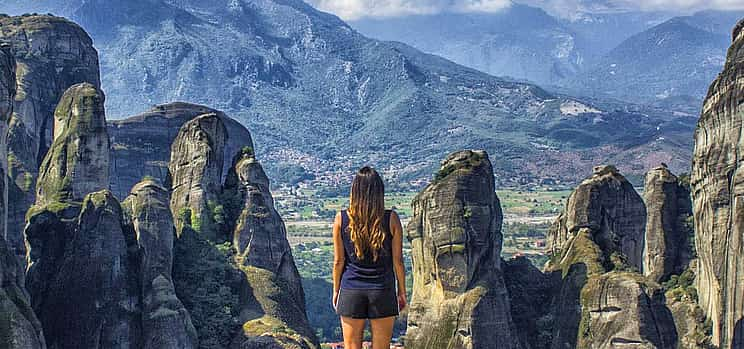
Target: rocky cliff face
x=607, y=204
x=598, y=242
x=668, y=247
x=82, y=258
x=141, y=144
x=19, y=327
x=717, y=187
x=195, y=172
x=459, y=297
x=52, y=54
x=265, y=257
x=78, y=161
x=261, y=301
x=166, y=323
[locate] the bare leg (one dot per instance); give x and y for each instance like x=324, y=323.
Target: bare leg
x=353, y=331
x=382, y=332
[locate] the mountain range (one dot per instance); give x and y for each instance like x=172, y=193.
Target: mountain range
x=317, y=93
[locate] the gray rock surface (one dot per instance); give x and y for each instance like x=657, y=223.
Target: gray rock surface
x=604, y=301
x=717, y=183
x=140, y=145
x=19, y=327
x=607, y=204
x=83, y=262
x=265, y=257
x=52, y=54
x=83, y=274
x=459, y=297
x=195, y=172
x=165, y=321
x=668, y=247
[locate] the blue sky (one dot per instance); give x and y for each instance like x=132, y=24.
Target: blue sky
x=356, y=9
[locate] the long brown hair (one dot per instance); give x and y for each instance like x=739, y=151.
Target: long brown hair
x=366, y=212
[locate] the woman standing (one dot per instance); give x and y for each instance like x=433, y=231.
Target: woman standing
x=368, y=263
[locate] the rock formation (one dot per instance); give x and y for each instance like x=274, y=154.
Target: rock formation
x=668, y=233
x=78, y=161
x=82, y=260
x=195, y=172
x=607, y=204
x=598, y=242
x=274, y=316
x=459, y=297
x=141, y=144
x=52, y=54
x=261, y=301
x=19, y=327
x=717, y=185
x=165, y=321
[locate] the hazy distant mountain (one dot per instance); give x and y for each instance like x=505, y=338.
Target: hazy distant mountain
x=315, y=92
x=520, y=41
x=679, y=57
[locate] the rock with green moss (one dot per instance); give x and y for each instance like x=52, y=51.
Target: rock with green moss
x=165, y=321
x=273, y=316
x=19, y=327
x=83, y=275
x=195, y=171
x=607, y=204
x=668, y=249
x=459, y=297
x=603, y=300
x=78, y=161
x=717, y=179
x=52, y=54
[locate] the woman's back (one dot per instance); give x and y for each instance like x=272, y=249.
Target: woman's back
x=366, y=272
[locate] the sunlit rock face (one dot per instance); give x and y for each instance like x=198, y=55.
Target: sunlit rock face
x=717, y=181
x=459, y=297
x=604, y=301
x=52, y=54
x=607, y=204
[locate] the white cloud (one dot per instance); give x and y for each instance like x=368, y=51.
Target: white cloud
x=355, y=9
x=685, y=5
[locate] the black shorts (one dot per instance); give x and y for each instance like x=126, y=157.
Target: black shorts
x=367, y=304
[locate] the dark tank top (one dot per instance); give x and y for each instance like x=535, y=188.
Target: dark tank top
x=366, y=273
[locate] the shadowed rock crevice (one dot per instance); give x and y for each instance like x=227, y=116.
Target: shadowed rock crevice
x=669, y=232
x=19, y=326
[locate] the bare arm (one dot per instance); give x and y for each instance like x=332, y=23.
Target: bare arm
x=400, y=269
x=338, y=256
